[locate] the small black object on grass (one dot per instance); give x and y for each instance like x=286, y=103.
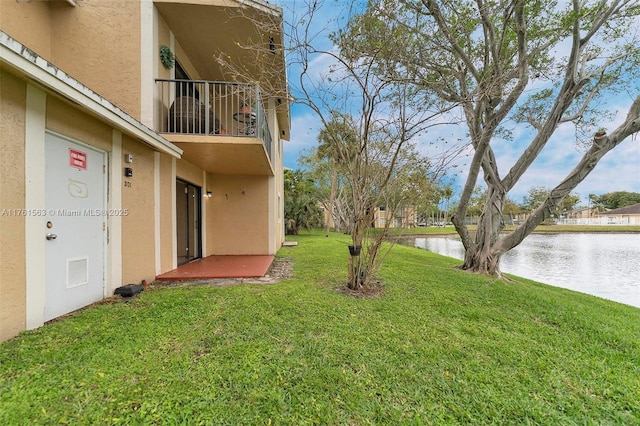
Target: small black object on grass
x=129, y=290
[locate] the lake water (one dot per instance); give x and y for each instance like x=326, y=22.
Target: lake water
x=602, y=264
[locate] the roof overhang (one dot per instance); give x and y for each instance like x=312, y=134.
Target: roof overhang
x=25, y=62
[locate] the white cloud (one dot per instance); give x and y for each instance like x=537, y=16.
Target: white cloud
x=305, y=127
x=619, y=170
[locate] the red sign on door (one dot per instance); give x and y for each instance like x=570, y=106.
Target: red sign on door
x=77, y=159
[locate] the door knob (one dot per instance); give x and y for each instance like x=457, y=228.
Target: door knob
x=51, y=236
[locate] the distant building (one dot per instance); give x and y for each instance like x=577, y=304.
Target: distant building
x=629, y=215
x=583, y=213
x=403, y=217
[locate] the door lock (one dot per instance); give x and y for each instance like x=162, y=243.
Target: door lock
x=51, y=236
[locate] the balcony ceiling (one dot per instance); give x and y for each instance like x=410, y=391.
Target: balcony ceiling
x=206, y=28
x=224, y=155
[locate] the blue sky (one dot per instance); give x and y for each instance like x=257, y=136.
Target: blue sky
x=619, y=170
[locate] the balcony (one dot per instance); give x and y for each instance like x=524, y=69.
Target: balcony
x=222, y=127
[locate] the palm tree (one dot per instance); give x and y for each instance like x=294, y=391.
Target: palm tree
x=300, y=206
x=337, y=140
x=447, y=194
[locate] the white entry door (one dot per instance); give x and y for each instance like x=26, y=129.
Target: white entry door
x=75, y=225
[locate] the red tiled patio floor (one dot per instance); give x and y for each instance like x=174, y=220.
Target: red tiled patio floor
x=221, y=267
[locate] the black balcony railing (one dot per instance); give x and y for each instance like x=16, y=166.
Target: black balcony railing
x=197, y=107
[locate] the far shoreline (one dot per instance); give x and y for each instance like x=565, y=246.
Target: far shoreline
x=543, y=229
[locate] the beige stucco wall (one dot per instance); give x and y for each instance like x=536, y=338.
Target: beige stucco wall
x=210, y=215
x=105, y=34
x=164, y=39
x=167, y=183
x=69, y=121
x=240, y=224
x=188, y=172
x=28, y=22
x=138, y=226
x=12, y=196
x=278, y=181
x=186, y=64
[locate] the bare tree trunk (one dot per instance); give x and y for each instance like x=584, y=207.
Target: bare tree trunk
x=484, y=254
x=332, y=198
x=481, y=257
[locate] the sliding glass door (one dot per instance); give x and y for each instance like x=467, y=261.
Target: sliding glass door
x=188, y=208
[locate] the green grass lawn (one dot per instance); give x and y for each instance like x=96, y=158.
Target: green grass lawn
x=439, y=346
